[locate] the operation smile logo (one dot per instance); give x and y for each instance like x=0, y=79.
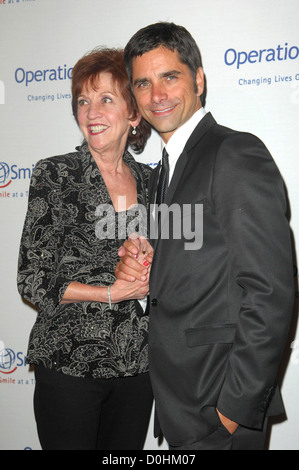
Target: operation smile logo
x=7, y=361
x=277, y=54
x=10, y=173
x=4, y=175
x=29, y=78
x=283, y=55
x=10, y=361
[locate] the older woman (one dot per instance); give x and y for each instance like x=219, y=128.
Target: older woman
x=89, y=342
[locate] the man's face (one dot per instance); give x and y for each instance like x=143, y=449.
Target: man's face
x=164, y=90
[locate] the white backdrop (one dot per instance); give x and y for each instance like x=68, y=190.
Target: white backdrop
x=250, y=51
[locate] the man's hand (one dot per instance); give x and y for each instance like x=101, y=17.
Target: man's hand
x=231, y=426
x=136, y=256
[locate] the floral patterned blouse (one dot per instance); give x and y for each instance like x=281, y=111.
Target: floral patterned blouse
x=60, y=245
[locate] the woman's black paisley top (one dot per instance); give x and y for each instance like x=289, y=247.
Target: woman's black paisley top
x=61, y=244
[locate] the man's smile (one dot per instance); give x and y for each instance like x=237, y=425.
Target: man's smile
x=161, y=112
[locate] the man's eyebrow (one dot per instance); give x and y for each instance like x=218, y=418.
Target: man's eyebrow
x=139, y=81
x=170, y=73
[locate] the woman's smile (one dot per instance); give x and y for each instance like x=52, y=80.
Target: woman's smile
x=95, y=129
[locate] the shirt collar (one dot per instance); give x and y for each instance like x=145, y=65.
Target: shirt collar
x=178, y=140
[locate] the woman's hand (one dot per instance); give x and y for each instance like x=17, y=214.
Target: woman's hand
x=124, y=290
x=136, y=256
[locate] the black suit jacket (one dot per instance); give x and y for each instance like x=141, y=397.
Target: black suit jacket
x=220, y=314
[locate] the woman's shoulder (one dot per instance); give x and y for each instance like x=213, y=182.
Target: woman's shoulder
x=57, y=163
x=56, y=160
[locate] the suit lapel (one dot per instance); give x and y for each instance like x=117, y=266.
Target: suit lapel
x=205, y=124
x=201, y=129
x=179, y=169
x=153, y=183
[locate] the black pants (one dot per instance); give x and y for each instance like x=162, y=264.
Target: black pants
x=91, y=414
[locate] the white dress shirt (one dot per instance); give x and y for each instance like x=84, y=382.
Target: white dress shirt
x=178, y=140
x=175, y=147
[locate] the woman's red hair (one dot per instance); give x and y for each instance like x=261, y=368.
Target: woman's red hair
x=87, y=71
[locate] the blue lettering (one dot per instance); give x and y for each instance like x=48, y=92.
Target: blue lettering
x=14, y=172
x=280, y=53
x=296, y=52
x=53, y=75
x=20, y=173
x=20, y=80
x=24, y=172
x=279, y=49
x=261, y=54
x=234, y=57
x=29, y=76
x=38, y=76
x=21, y=360
x=252, y=56
x=271, y=56
x=241, y=56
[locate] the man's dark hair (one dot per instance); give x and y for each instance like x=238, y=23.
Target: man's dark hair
x=168, y=35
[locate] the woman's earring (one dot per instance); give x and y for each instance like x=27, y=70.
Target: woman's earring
x=134, y=132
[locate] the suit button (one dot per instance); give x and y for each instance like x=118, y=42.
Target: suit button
x=154, y=302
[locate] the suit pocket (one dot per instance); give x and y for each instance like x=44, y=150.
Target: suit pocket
x=211, y=334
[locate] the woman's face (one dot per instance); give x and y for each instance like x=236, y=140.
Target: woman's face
x=103, y=116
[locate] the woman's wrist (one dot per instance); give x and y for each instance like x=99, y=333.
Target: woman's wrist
x=109, y=297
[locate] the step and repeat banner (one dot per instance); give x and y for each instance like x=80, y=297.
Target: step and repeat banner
x=250, y=52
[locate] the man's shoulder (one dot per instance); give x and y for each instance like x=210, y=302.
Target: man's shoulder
x=219, y=134
x=210, y=132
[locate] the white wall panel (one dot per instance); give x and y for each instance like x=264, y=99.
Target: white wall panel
x=260, y=95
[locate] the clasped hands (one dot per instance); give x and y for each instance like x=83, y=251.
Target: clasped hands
x=136, y=257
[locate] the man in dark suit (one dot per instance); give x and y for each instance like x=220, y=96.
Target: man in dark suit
x=220, y=310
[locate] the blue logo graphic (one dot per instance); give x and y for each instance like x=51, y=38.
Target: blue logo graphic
x=4, y=175
x=10, y=360
x=7, y=360
x=13, y=172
